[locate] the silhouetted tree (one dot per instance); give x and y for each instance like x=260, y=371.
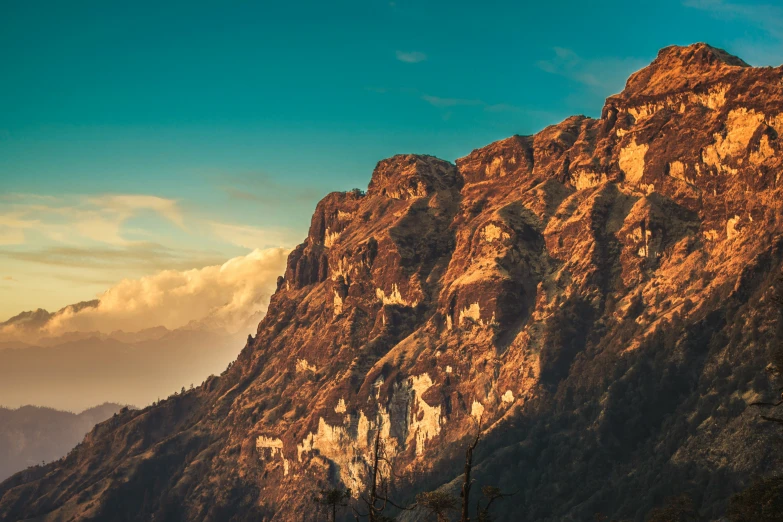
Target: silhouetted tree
x=333, y=499
x=377, y=498
x=438, y=503
x=467, y=483
x=491, y=494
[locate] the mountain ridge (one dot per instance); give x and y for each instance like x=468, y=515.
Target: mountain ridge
x=32, y=434
x=596, y=294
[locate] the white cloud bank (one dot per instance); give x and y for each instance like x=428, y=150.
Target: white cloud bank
x=220, y=296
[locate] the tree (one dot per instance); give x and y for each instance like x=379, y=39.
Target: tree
x=491, y=494
x=332, y=499
x=377, y=498
x=467, y=483
x=437, y=503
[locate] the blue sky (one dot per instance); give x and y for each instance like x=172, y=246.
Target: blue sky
x=136, y=137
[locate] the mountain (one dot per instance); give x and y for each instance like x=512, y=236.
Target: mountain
x=32, y=320
x=598, y=296
x=30, y=435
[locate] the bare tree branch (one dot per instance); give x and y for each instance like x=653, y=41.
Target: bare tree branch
x=382, y=471
x=468, y=483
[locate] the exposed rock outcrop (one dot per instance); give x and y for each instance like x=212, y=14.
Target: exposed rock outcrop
x=597, y=294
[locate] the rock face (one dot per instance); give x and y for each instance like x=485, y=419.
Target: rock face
x=597, y=294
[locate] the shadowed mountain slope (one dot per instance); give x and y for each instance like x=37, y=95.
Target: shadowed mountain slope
x=597, y=294
x=31, y=435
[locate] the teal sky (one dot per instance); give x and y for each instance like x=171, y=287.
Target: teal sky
x=142, y=136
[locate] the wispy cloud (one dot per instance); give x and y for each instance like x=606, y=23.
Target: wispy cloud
x=602, y=75
x=437, y=101
x=243, y=195
x=21, y=196
x=91, y=240
x=126, y=205
x=504, y=107
x=99, y=232
x=73, y=219
x=450, y=103
x=411, y=57
x=8, y=278
x=768, y=18
x=139, y=257
x=12, y=229
x=251, y=237
x=262, y=188
x=567, y=63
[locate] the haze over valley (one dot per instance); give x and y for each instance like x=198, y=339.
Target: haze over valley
x=141, y=340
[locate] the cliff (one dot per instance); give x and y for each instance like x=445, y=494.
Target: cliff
x=596, y=294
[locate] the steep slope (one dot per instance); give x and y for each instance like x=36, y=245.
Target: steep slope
x=596, y=294
x=30, y=434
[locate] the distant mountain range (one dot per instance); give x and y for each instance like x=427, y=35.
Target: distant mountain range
x=31, y=435
x=72, y=370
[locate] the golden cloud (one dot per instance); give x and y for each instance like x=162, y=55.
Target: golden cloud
x=227, y=297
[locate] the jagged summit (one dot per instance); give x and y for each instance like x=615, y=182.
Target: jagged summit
x=596, y=294
x=411, y=175
x=698, y=55
x=30, y=319
x=682, y=67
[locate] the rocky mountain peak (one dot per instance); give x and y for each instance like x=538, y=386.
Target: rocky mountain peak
x=679, y=68
x=595, y=294
x=696, y=57
x=407, y=176
x=29, y=320
x=331, y=215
